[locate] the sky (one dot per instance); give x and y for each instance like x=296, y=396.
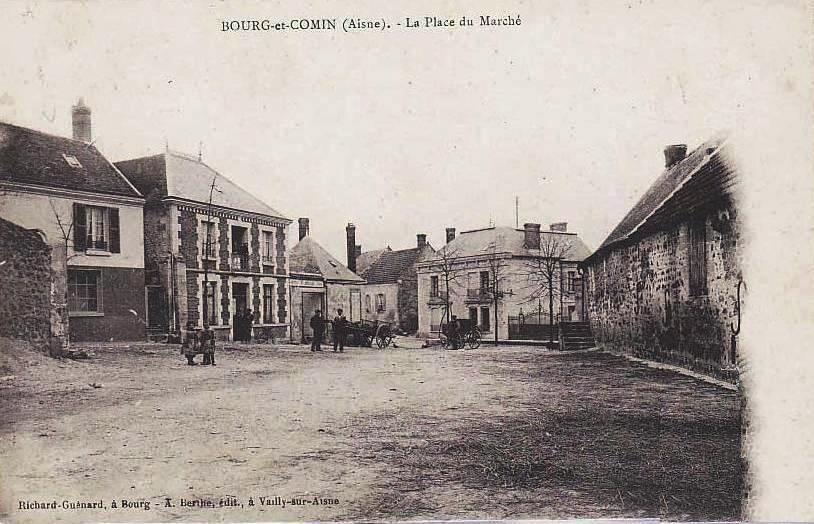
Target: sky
x=405, y=131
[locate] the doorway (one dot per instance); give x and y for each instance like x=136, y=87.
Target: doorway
x=311, y=302
x=240, y=294
x=355, y=306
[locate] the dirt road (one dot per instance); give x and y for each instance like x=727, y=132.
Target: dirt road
x=418, y=433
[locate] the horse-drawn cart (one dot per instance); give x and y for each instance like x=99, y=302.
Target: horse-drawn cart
x=364, y=332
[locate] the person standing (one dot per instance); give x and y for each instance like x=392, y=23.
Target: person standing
x=249, y=321
x=340, y=330
x=207, y=344
x=318, y=326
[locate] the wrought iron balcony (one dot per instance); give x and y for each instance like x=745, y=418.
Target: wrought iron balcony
x=478, y=295
x=240, y=261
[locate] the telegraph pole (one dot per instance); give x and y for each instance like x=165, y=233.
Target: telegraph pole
x=204, y=258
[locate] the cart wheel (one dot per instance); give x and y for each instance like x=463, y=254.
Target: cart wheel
x=474, y=340
x=368, y=342
x=383, y=336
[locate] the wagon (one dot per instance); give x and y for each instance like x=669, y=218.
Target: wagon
x=468, y=334
x=364, y=332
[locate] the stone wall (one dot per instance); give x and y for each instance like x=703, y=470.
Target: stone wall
x=639, y=298
x=25, y=278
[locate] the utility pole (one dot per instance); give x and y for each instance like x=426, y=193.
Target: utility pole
x=517, y=212
x=204, y=259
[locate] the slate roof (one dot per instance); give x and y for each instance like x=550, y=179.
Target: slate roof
x=35, y=158
x=366, y=259
x=311, y=258
x=391, y=265
x=664, y=187
x=173, y=174
x=510, y=240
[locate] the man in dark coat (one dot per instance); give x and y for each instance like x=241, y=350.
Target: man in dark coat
x=318, y=325
x=340, y=331
x=248, y=322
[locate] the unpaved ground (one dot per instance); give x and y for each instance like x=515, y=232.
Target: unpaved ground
x=415, y=433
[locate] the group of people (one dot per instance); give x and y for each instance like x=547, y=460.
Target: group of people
x=340, y=330
x=198, y=341
x=242, y=322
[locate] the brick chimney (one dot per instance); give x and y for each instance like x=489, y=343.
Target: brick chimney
x=304, y=227
x=674, y=154
x=351, y=233
x=421, y=240
x=80, y=119
x=532, y=239
x=450, y=234
x=561, y=227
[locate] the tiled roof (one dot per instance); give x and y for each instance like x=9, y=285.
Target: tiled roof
x=510, y=240
x=366, y=259
x=173, y=174
x=310, y=257
x=391, y=265
x=661, y=190
x=35, y=158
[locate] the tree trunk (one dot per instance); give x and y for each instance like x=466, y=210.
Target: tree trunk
x=550, y=311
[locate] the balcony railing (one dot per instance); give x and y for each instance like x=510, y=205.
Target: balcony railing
x=439, y=294
x=267, y=259
x=478, y=294
x=240, y=262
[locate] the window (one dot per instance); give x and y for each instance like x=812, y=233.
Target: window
x=96, y=228
x=484, y=281
x=571, y=277
x=72, y=161
x=211, y=305
x=209, y=240
x=367, y=303
x=698, y=258
x=83, y=291
x=268, y=247
x=484, y=319
x=434, y=287
x=268, y=303
x=380, y=303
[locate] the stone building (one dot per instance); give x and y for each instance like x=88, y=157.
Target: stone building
x=319, y=282
x=391, y=290
x=477, y=263
x=88, y=211
x=38, y=315
x=237, y=245
x=664, y=285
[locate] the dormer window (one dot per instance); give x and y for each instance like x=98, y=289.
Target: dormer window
x=72, y=161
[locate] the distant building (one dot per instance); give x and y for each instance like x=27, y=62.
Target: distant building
x=90, y=213
x=319, y=282
x=237, y=246
x=664, y=285
x=391, y=290
x=476, y=259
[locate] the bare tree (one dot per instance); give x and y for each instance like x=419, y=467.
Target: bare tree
x=447, y=263
x=66, y=229
x=543, y=272
x=498, y=275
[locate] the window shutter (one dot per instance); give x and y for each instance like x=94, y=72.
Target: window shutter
x=79, y=228
x=115, y=243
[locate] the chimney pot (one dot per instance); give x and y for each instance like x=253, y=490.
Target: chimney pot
x=673, y=154
x=304, y=227
x=80, y=121
x=421, y=240
x=450, y=234
x=350, y=230
x=561, y=227
x=532, y=235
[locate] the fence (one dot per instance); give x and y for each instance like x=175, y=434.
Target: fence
x=533, y=326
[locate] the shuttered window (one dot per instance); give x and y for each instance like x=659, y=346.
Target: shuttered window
x=698, y=258
x=96, y=228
